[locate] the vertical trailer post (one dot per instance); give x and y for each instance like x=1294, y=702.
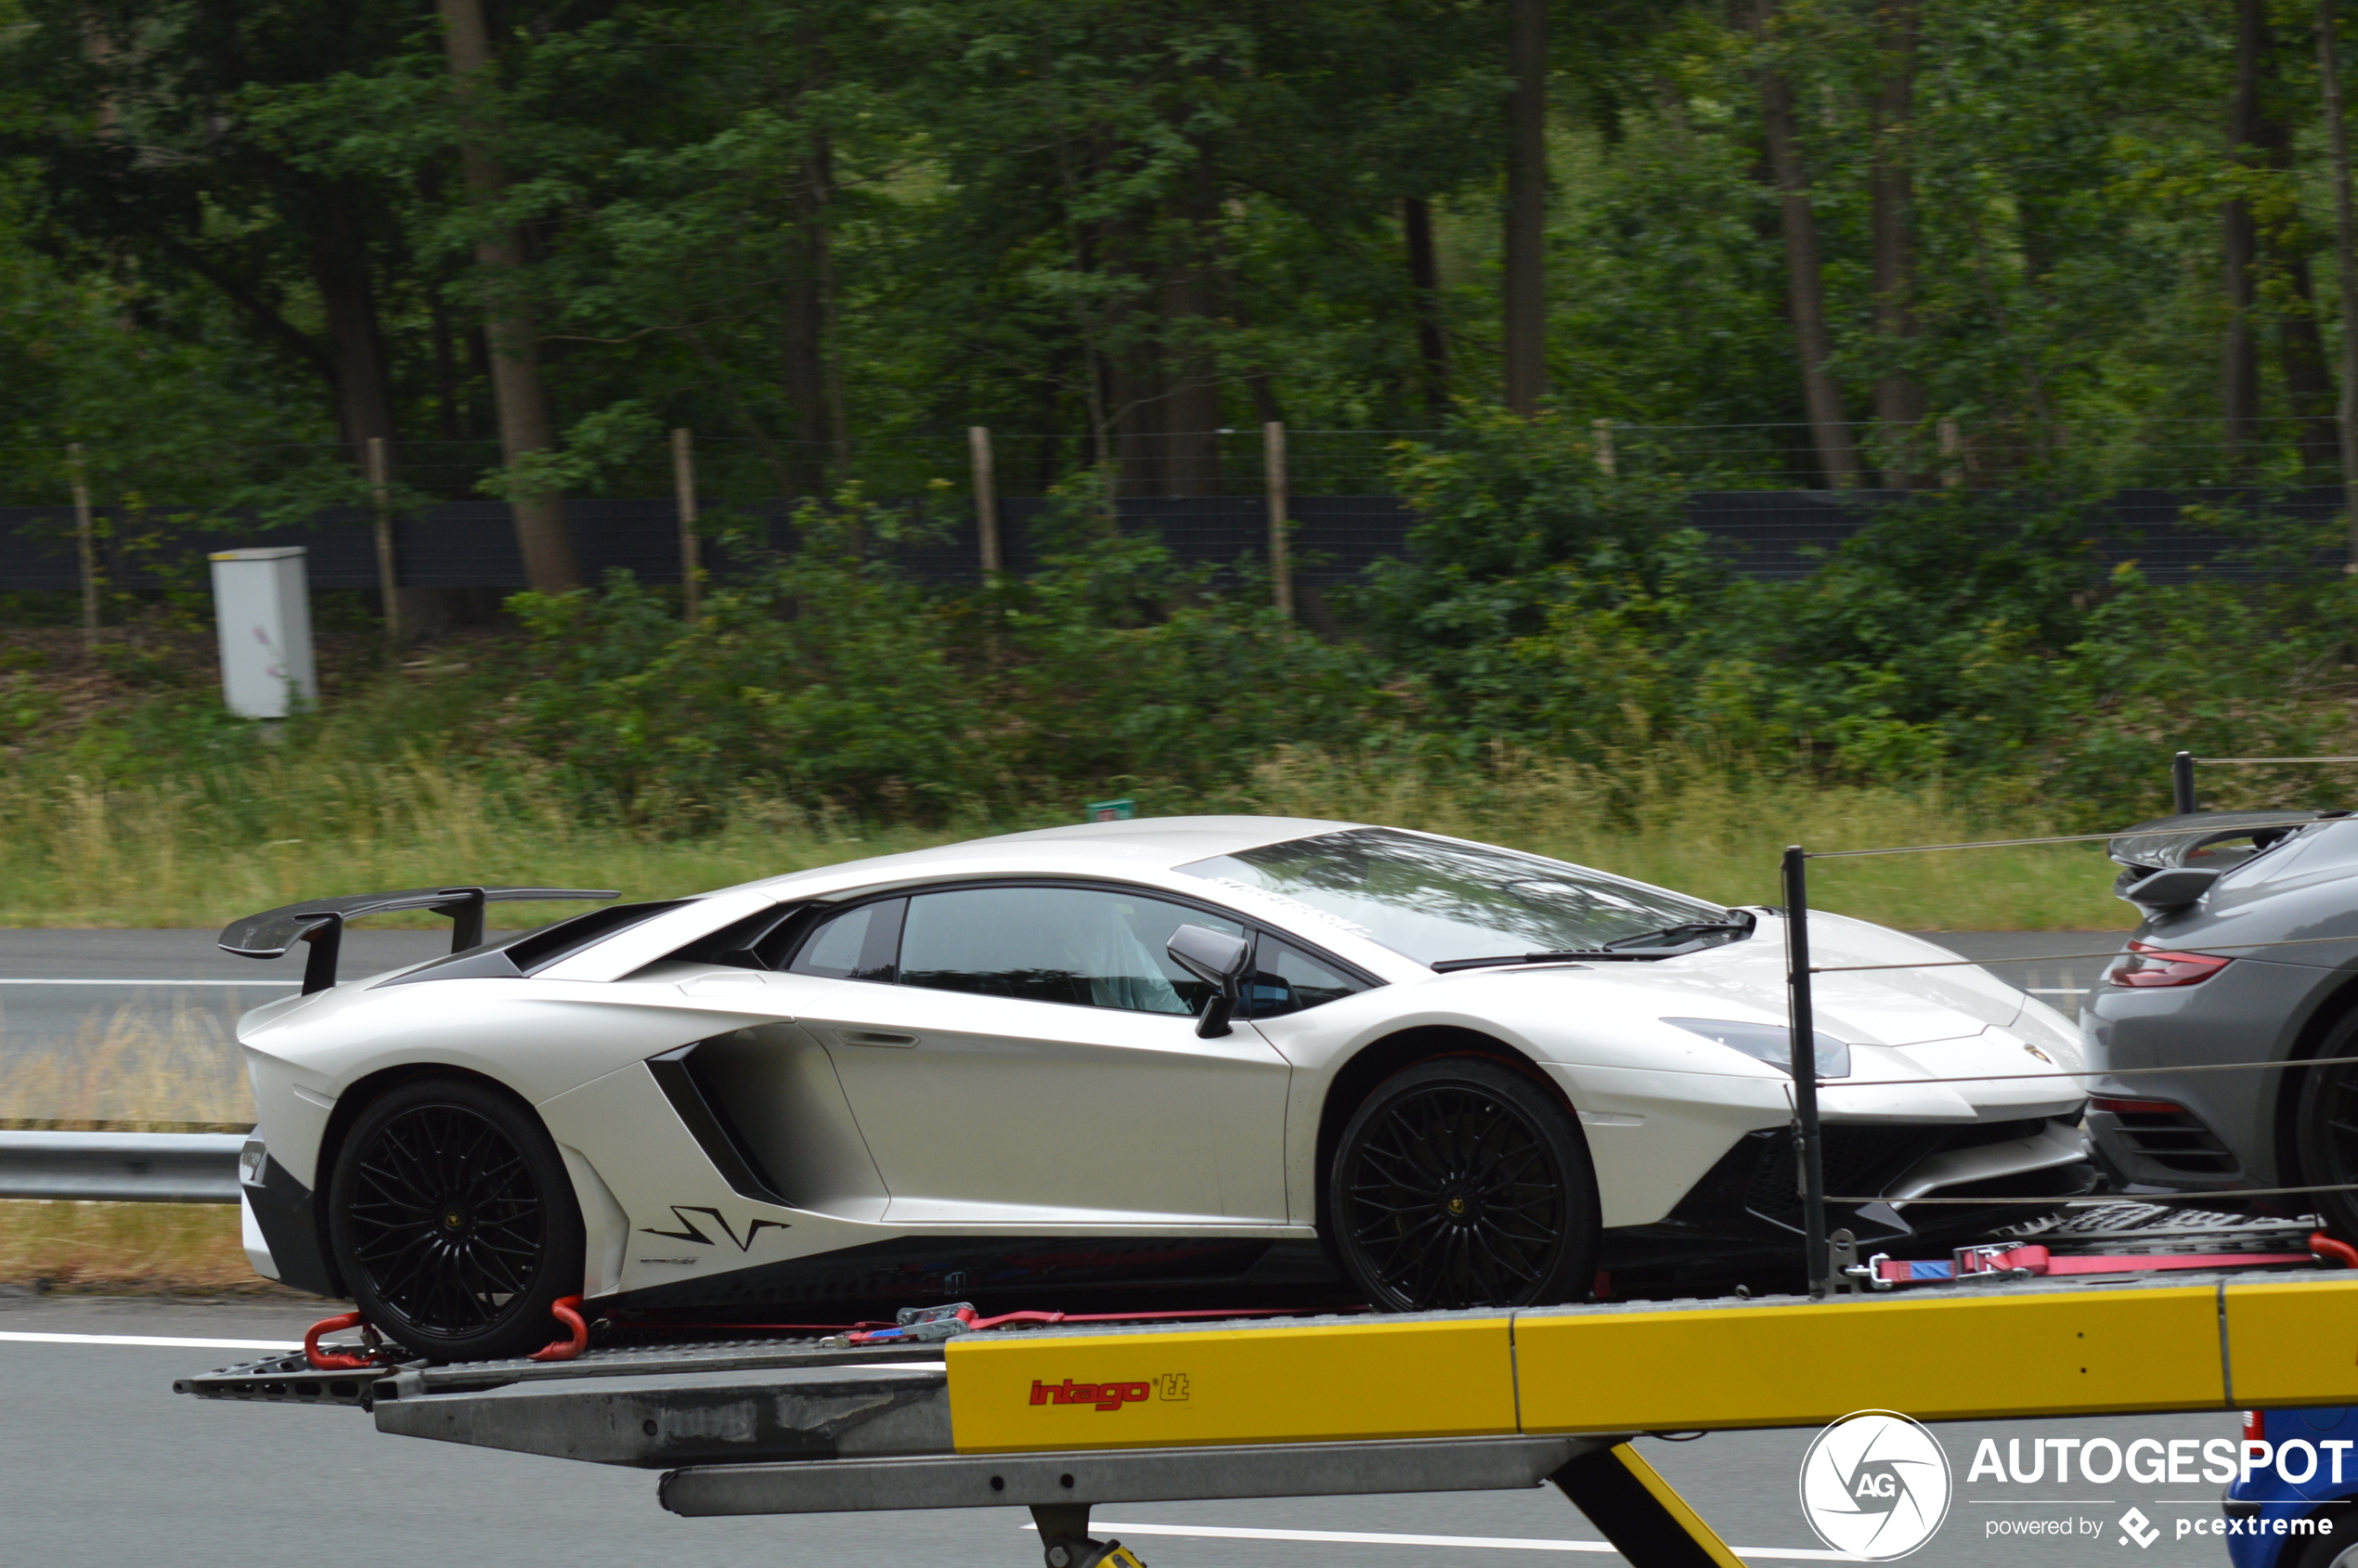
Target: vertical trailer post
x=2181, y=784
x=1807, y=1149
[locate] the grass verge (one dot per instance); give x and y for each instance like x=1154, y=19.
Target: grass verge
x=126, y=1248
x=164, y=855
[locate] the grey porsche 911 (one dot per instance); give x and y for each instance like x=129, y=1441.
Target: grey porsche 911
x=2248, y=954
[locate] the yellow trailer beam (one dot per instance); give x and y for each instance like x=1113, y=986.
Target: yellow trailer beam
x=1969, y=1353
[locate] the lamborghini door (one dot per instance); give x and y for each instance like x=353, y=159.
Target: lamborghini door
x=1032, y=1058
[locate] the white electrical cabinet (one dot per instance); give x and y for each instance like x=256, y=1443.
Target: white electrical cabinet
x=263, y=607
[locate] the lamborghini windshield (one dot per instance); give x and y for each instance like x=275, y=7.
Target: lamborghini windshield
x=1435, y=900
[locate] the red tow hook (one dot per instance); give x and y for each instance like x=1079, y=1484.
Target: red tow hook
x=2341, y=1253
x=327, y=1361
x=566, y=1310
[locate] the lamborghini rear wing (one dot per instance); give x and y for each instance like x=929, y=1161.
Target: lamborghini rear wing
x=320, y=922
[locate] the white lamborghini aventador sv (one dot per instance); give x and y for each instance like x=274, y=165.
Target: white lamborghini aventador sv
x=1224, y=1054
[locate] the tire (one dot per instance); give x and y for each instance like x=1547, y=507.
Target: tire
x=1459, y=1183
x=453, y=1222
x=2326, y=1132
x=2334, y=1548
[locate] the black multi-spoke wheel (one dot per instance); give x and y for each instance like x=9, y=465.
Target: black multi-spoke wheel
x=1460, y=1183
x=453, y=1222
x=2326, y=1132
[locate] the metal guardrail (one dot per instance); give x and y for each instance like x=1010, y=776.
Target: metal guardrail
x=121, y=1167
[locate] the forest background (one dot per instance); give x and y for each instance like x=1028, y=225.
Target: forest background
x=2003, y=255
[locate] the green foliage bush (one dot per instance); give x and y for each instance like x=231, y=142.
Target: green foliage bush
x=824, y=675
x=1546, y=608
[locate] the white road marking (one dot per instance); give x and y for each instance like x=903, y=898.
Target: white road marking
x=1102, y=1527
x=151, y=1340
x=6, y=980
x=2059, y=990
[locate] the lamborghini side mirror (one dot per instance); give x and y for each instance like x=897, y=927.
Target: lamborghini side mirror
x=1220, y=961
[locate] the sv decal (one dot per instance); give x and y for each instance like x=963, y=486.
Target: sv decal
x=691, y=1231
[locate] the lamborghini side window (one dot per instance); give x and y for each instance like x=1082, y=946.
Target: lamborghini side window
x=1287, y=979
x=855, y=945
x=1076, y=945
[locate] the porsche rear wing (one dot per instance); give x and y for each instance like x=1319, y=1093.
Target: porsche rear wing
x=320, y=922
x=2160, y=858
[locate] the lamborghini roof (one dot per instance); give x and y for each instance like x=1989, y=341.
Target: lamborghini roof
x=1150, y=843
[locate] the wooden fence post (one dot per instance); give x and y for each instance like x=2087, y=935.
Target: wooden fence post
x=86, y=544
x=1605, y=459
x=1952, y=454
x=1272, y=445
x=683, y=490
x=381, y=497
x=986, y=501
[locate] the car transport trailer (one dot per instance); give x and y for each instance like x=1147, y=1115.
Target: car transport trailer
x=1060, y=1419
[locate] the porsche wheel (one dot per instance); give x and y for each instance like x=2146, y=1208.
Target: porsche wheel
x=2326, y=1133
x=1459, y=1183
x=453, y=1222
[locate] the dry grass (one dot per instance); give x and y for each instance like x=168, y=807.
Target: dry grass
x=74, y=855
x=126, y=1248
x=129, y=1068
x=1672, y=823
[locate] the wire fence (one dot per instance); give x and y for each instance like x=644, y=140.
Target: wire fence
x=2094, y=456
x=2176, y=497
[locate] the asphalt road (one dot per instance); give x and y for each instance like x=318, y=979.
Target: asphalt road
x=100, y=1463
x=61, y=990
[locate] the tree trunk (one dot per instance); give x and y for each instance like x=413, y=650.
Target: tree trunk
x=1424, y=281
x=2282, y=249
x=348, y=297
x=1525, y=299
x=542, y=536
x=812, y=429
x=2300, y=356
x=1805, y=281
x=449, y=422
x=1900, y=401
x=1134, y=384
x=2239, y=245
x=2346, y=260
x=1190, y=312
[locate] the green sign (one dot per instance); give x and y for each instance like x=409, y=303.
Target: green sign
x=1111, y=811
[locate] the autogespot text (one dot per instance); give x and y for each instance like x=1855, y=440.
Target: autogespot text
x=2151, y=1461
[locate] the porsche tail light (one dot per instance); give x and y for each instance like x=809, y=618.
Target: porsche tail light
x=2255, y=1426
x=2146, y=965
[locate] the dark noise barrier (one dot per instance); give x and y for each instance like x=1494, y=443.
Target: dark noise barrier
x=1774, y=535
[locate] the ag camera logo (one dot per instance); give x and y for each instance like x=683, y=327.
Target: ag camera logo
x=1874, y=1484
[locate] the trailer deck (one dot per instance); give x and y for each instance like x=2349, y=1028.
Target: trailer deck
x=1060, y=1419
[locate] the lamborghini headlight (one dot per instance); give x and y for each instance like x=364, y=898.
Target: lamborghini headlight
x=1768, y=1043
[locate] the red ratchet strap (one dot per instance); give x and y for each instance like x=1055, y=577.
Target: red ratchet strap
x=566, y=1310
x=2033, y=1261
x=373, y=1354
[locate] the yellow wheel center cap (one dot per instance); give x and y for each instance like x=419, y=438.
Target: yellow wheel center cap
x=1457, y=1205
x=453, y=1220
